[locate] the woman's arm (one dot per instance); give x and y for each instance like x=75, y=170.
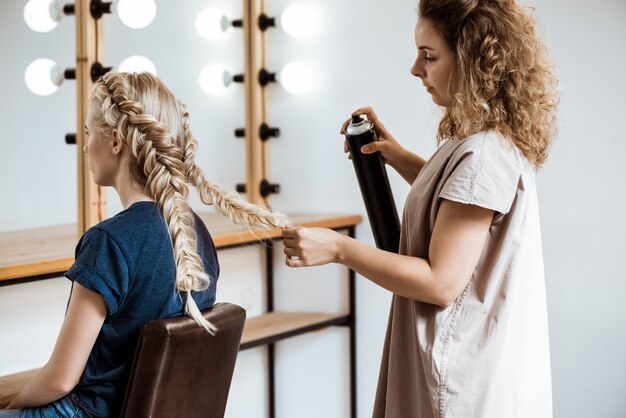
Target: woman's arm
x=456, y=244
x=83, y=321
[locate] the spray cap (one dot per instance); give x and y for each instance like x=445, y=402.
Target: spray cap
x=358, y=125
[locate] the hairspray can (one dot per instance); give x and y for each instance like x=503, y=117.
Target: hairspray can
x=374, y=183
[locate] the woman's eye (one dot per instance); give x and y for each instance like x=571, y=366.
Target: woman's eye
x=429, y=59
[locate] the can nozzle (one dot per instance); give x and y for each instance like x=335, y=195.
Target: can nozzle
x=356, y=119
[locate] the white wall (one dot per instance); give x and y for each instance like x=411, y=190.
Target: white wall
x=362, y=55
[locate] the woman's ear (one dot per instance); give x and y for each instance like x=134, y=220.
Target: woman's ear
x=116, y=144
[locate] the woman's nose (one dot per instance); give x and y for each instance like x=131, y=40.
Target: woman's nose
x=417, y=70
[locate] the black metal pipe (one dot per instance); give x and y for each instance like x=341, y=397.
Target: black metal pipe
x=352, y=304
x=269, y=303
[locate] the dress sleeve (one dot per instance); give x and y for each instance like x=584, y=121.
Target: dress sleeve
x=486, y=173
x=101, y=267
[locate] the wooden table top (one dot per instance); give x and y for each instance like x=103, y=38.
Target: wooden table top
x=50, y=250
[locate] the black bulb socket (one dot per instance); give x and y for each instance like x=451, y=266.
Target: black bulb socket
x=268, y=188
x=265, y=77
x=99, y=7
x=98, y=70
x=266, y=22
x=266, y=132
x=69, y=74
x=70, y=139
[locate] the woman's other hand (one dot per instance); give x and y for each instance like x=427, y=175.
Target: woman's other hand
x=5, y=399
x=311, y=246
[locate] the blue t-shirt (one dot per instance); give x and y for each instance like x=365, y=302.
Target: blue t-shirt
x=128, y=259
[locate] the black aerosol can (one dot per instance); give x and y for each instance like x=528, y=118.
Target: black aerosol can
x=374, y=183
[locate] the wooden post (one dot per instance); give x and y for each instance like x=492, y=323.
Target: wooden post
x=89, y=35
x=256, y=100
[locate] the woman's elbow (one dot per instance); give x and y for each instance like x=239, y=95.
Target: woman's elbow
x=62, y=384
x=446, y=296
x=62, y=387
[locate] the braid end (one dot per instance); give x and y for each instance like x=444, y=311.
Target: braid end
x=191, y=309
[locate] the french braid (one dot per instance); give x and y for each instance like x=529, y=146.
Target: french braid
x=228, y=203
x=153, y=124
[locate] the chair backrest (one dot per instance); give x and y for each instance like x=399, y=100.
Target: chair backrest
x=182, y=371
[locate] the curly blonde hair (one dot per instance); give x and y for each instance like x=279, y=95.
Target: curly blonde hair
x=504, y=77
x=142, y=112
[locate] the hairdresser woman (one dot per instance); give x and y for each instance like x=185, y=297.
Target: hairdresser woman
x=468, y=332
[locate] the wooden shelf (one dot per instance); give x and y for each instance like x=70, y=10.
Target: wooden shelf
x=275, y=326
x=46, y=251
x=257, y=331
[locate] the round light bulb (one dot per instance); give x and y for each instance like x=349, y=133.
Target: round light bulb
x=37, y=15
x=298, y=20
x=38, y=77
x=137, y=64
x=295, y=77
x=211, y=23
x=211, y=80
x=136, y=14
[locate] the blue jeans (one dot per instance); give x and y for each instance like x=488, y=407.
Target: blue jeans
x=62, y=408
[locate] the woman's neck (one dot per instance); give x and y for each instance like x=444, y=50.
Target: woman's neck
x=130, y=192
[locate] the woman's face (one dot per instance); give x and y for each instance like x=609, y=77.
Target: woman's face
x=435, y=63
x=103, y=155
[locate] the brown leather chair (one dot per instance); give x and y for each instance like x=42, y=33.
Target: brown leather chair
x=180, y=370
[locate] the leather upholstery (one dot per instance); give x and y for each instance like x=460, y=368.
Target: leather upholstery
x=180, y=370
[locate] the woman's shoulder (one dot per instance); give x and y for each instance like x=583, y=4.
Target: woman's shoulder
x=490, y=147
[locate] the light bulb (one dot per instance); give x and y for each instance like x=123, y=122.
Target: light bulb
x=39, y=77
x=295, y=77
x=136, y=14
x=212, y=79
x=211, y=23
x=137, y=64
x=298, y=20
x=38, y=17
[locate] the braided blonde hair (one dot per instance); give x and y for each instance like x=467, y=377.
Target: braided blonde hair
x=141, y=112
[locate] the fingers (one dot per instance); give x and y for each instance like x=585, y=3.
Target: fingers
x=372, y=147
x=342, y=131
x=294, y=262
x=290, y=232
x=292, y=252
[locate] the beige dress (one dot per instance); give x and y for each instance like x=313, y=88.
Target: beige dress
x=487, y=354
